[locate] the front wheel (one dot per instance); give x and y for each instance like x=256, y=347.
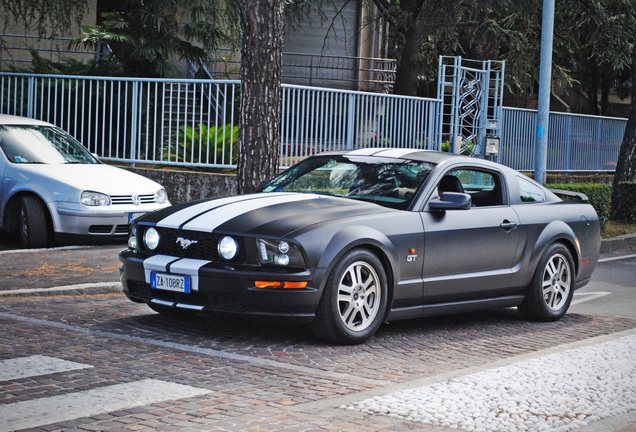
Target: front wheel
x=550, y=292
x=34, y=229
x=354, y=302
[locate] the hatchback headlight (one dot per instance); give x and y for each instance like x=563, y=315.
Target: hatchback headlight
x=161, y=197
x=279, y=253
x=91, y=198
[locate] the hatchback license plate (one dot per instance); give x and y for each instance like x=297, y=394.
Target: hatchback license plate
x=170, y=282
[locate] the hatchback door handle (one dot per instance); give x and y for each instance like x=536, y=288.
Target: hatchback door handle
x=507, y=225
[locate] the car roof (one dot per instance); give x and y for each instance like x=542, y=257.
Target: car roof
x=415, y=155
x=6, y=119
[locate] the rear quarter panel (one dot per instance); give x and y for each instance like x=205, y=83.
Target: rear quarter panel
x=542, y=224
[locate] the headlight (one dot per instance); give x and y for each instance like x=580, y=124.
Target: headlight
x=161, y=197
x=91, y=198
x=227, y=248
x=151, y=238
x=279, y=253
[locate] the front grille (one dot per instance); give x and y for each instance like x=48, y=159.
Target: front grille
x=201, y=245
x=128, y=199
x=100, y=229
x=121, y=230
x=108, y=229
x=213, y=300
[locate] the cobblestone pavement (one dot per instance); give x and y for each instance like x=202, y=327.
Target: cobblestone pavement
x=227, y=374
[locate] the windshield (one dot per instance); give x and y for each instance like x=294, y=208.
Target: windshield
x=30, y=144
x=387, y=181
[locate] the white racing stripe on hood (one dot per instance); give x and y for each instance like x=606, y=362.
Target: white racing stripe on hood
x=213, y=219
x=175, y=220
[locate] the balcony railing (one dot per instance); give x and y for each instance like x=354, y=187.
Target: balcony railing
x=341, y=72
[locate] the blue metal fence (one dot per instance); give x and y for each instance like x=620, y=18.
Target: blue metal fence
x=195, y=122
x=576, y=142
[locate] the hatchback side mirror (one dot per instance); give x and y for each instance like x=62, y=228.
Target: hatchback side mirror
x=451, y=201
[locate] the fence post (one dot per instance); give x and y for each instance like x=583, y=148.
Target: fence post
x=351, y=118
x=597, y=137
x=30, y=97
x=133, y=125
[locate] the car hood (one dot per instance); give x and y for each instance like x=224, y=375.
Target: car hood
x=269, y=214
x=95, y=177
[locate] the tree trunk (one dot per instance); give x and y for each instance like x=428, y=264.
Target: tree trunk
x=626, y=164
x=406, y=74
x=408, y=35
x=261, y=93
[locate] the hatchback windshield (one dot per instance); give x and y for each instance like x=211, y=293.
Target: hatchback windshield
x=42, y=145
x=387, y=181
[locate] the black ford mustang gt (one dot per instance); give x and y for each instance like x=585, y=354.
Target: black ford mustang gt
x=347, y=240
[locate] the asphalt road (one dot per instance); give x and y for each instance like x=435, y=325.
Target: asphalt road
x=612, y=290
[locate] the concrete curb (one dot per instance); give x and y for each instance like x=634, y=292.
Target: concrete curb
x=625, y=242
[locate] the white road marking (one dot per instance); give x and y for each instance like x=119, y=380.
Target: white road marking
x=37, y=365
x=588, y=296
x=96, y=286
x=55, y=409
x=602, y=260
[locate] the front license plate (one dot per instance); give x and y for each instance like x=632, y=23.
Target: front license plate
x=132, y=216
x=170, y=282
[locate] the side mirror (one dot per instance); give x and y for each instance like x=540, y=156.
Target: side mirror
x=451, y=201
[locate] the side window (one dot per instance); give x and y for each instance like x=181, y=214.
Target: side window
x=483, y=187
x=529, y=192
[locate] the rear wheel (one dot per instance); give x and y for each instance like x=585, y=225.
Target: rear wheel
x=552, y=287
x=354, y=302
x=34, y=228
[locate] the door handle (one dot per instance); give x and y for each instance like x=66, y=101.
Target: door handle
x=507, y=225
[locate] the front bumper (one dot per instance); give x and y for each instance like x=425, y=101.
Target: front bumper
x=78, y=219
x=221, y=288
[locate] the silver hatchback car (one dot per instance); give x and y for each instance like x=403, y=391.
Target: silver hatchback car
x=53, y=189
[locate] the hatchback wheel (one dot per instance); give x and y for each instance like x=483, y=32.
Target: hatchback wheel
x=552, y=287
x=34, y=229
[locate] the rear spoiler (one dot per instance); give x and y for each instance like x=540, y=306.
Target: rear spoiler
x=570, y=195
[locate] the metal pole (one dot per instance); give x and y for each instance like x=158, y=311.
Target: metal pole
x=545, y=84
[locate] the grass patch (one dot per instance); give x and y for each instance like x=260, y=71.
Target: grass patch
x=617, y=228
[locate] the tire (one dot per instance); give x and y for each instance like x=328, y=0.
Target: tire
x=33, y=223
x=550, y=292
x=354, y=300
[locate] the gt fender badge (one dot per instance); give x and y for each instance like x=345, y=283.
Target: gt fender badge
x=185, y=243
x=411, y=258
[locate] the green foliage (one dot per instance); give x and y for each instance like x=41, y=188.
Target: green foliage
x=68, y=66
x=197, y=145
x=48, y=17
x=468, y=148
x=144, y=38
x=600, y=196
x=626, y=196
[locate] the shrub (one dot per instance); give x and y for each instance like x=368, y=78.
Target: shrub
x=600, y=196
x=204, y=145
x=626, y=197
